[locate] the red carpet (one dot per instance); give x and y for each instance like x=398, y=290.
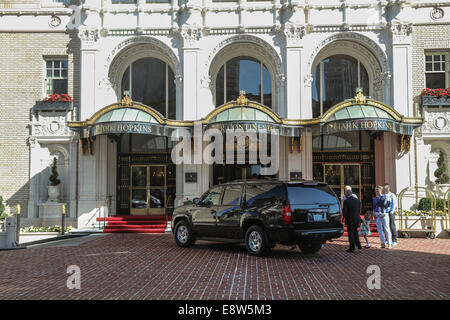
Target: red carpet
x=372, y=225
x=134, y=224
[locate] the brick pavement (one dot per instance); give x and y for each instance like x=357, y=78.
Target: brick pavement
x=144, y=266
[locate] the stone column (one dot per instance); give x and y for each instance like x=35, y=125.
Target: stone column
x=294, y=87
x=88, y=37
x=190, y=35
x=402, y=93
x=35, y=169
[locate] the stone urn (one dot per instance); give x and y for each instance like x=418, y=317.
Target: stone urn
x=441, y=189
x=53, y=193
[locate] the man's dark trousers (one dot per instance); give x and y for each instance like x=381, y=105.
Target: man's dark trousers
x=392, y=227
x=353, y=236
x=351, y=210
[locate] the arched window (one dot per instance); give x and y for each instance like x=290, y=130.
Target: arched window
x=336, y=79
x=244, y=73
x=151, y=82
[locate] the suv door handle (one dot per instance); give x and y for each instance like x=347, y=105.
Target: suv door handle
x=213, y=211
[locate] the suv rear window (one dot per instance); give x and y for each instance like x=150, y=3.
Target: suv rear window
x=262, y=193
x=311, y=194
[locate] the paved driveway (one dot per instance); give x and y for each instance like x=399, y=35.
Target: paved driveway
x=144, y=266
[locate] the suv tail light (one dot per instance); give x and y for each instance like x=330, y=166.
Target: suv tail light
x=286, y=215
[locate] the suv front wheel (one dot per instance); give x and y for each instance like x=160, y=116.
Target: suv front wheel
x=310, y=246
x=183, y=234
x=256, y=241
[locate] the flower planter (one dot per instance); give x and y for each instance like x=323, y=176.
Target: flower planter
x=25, y=237
x=53, y=106
x=435, y=101
x=420, y=223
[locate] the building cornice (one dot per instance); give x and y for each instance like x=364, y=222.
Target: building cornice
x=36, y=12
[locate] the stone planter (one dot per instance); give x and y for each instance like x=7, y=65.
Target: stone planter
x=441, y=189
x=435, y=101
x=53, y=193
x=25, y=237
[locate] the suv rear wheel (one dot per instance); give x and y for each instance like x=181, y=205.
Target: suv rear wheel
x=256, y=241
x=183, y=234
x=310, y=246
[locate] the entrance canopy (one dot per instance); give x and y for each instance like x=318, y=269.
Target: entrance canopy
x=248, y=116
x=127, y=117
x=359, y=113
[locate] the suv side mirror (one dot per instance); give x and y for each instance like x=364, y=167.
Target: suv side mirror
x=196, y=201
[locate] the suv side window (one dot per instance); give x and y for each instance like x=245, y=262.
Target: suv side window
x=232, y=195
x=261, y=194
x=212, y=197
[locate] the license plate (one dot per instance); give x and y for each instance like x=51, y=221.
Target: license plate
x=319, y=217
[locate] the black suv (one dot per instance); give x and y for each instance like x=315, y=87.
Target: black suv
x=262, y=213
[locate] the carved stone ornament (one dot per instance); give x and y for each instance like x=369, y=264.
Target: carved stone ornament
x=48, y=126
x=54, y=21
x=281, y=80
x=308, y=80
x=205, y=81
x=401, y=30
x=293, y=33
x=88, y=35
x=436, y=122
x=437, y=13
x=191, y=34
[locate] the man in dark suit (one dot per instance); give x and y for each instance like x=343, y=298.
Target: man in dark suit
x=352, y=210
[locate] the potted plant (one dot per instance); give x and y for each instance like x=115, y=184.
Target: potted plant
x=56, y=101
x=53, y=188
x=3, y=215
x=435, y=97
x=441, y=175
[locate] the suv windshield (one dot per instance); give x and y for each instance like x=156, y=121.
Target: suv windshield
x=311, y=194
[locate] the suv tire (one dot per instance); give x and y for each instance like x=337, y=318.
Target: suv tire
x=256, y=241
x=310, y=246
x=184, y=236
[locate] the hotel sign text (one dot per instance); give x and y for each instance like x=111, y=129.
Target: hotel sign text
x=360, y=124
x=125, y=127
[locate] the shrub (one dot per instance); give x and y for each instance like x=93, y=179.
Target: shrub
x=3, y=215
x=425, y=204
x=54, y=181
x=441, y=172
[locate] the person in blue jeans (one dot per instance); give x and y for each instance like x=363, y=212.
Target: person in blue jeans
x=380, y=203
x=390, y=211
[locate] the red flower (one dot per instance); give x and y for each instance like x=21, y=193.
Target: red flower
x=56, y=97
x=436, y=92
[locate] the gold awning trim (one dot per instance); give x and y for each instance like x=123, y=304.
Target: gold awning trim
x=358, y=100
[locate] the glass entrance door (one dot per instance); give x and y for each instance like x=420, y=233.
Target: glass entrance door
x=337, y=176
x=148, y=189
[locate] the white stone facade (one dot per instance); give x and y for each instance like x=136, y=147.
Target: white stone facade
x=194, y=38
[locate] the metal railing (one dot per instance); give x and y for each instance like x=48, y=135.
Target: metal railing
x=447, y=210
x=97, y=214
